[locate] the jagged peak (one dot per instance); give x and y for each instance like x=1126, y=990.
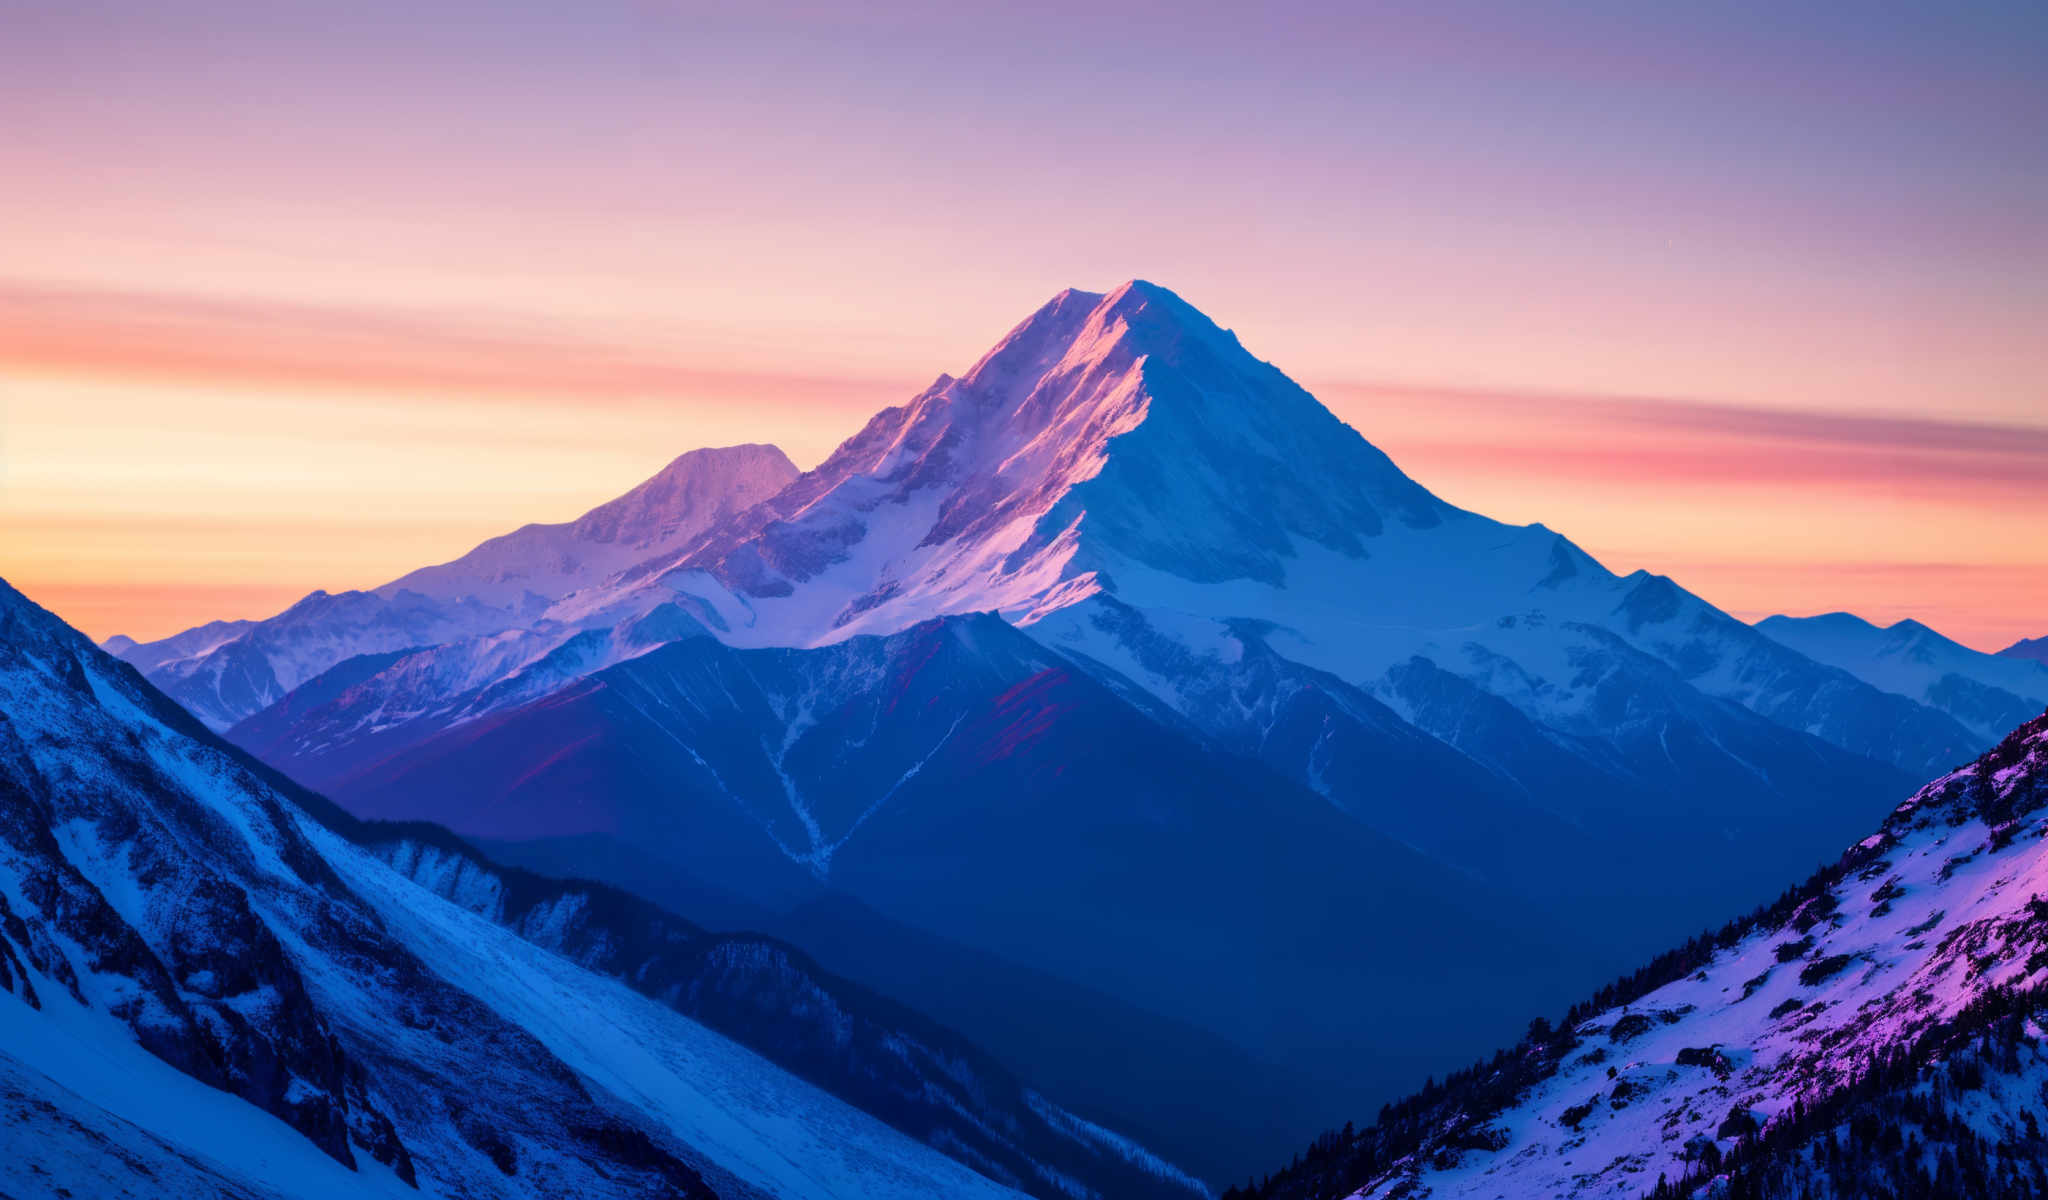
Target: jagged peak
x=1077, y=329
x=1143, y=303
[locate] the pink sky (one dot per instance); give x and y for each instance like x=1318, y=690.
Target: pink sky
x=296, y=298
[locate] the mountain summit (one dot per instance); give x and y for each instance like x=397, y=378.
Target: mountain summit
x=1103, y=432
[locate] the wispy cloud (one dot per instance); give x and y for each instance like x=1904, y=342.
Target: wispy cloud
x=1644, y=439
x=269, y=342
x=1701, y=416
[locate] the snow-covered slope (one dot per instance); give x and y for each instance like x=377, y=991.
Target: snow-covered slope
x=201, y=983
x=763, y=1128
x=227, y=670
x=1986, y=692
x=1910, y=978
x=882, y=1058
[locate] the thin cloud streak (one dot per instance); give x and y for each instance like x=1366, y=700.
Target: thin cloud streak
x=1707, y=417
x=249, y=342
x=524, y=422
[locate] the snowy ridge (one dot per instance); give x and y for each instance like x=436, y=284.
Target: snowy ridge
x=766, y=1128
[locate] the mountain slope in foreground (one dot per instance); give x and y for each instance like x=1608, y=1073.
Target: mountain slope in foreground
x=208, y=992
x=918, y=1076
x=1881, y=1029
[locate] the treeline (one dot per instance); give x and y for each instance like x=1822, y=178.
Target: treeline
x=1896, y=1129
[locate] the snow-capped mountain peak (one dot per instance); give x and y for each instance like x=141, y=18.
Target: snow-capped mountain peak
x=1104, y=430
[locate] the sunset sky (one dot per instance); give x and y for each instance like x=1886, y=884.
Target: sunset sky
x=300, y=295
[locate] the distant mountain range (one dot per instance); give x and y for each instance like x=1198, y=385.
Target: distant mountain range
x=1988, y=693
x=1122, y=661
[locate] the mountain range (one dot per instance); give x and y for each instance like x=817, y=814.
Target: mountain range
x=1116, y=667
x=1988, y=693
x=216, y=983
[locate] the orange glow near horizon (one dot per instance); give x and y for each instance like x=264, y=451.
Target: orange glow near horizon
x=305, y=296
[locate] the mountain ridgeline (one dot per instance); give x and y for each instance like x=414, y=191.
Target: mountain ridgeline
x=1112, y=659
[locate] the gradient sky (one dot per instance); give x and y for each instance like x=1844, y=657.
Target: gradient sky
x=302, y=295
